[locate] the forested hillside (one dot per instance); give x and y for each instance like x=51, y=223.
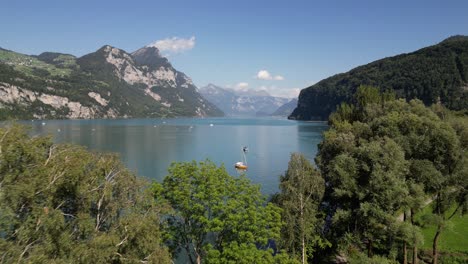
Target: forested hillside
x=434, y=74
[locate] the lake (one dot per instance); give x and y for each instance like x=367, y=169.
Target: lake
x=148, y=146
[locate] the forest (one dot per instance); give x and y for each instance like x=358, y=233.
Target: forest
x=435, y=74
x=387, y=169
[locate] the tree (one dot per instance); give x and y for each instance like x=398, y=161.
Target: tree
x=62, y=203
x=410, y=233
x=435, y=153
x=217, y=216
x=431, y=165
x=366, y=186
x=302, y=189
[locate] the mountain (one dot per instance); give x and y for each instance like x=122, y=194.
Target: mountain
x=433, y=74
x=286, y=109
x=108, y=83
x=242, y=103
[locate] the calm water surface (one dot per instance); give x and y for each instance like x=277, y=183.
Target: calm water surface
x=148, y=146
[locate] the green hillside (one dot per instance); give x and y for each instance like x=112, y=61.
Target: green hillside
x=31, y=65
x=432, y=74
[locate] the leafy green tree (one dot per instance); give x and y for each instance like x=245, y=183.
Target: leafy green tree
x=302, y=189
x=217, y=216
x=64, y=204
x=435, y=152
x=432, y=163
x=366, y=187
x=366, y=95
x=410, y=234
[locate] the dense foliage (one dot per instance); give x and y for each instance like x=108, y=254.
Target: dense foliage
x=63, y=204
x=218, y=218
x=302, y=188
x=383, y=158
x=434, y=74
x=386, y=169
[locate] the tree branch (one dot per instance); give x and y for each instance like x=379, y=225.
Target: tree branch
x=50, y=154
x=25, y=250
x=3, y=137
x=454, y=212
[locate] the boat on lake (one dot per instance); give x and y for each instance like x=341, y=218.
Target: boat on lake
x=242, y=165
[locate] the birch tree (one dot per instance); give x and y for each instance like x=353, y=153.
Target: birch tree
x=302, y=188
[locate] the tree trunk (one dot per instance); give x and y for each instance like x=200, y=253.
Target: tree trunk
x=405, y=254
x=434, y=246
x=369, y=248
x=415, y=255
x=405, y=250
x=303, y=250
x=301, y=199
x=198, y=259
x=415, y=248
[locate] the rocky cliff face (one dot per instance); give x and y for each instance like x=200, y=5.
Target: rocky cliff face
x=108, y=83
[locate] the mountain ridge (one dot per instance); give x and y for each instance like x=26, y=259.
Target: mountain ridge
x=242, y=102
x=436, y=73
x=107, y=83
x=286, y=109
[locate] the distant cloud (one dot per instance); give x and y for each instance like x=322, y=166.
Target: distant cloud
x=265, y=75
x=281, y=91
x=273, y=90
x=174, y=44
x=242, y=85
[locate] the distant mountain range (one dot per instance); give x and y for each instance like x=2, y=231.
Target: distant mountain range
x=434, y=74
x=108, y=83
x=286, y=109
x=243, y=103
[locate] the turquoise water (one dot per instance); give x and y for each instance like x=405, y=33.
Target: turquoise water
x=148, y=146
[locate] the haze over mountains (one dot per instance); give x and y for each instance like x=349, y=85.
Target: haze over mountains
x=246, y=102
x=435, y=74
x=108, y=83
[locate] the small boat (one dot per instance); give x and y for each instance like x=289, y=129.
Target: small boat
x=242, y=165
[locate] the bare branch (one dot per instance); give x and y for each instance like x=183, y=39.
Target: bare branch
x=25, y=250
x=123, y=241
x=51, y=149
x=54, y=179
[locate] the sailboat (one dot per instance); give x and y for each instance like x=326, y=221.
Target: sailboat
x=242, y=165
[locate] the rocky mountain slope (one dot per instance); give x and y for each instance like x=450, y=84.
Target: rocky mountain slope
x=242, y=103
x=437, y=73
x=108, y=83
x=286, y=109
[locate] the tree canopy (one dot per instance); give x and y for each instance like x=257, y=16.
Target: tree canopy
x=218, y=218
x=377, y=156
x=64, y=204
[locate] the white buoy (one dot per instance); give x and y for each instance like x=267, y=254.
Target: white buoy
x=58, y=130
x=43, y=123
x=211, y=125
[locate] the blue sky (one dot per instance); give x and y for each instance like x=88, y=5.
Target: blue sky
x=229, y=42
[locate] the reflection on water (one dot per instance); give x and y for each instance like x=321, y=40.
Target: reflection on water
x=148, y=146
